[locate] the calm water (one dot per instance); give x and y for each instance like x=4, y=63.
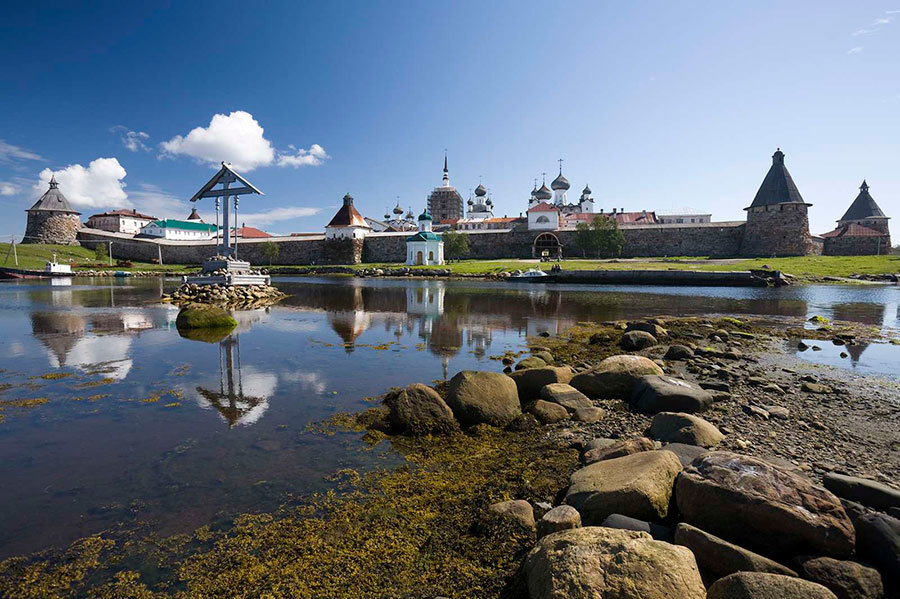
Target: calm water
x=135, y=423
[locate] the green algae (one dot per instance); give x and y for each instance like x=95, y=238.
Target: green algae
x=98, y=383
x=54, y=376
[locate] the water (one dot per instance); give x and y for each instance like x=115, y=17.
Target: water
x=145, y=425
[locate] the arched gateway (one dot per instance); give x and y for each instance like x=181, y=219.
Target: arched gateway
x=546, y=245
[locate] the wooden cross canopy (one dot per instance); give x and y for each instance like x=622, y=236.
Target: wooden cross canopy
x=226, y=177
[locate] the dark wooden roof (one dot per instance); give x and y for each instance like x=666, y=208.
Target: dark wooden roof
x=778, y=187
x=863, y=206
x=53, y=200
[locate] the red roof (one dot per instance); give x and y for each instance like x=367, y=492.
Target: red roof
x=621, y=217
x=251, y=233
x=131, y=213
x=853, y=230
x=543, y=207
x=348, y=216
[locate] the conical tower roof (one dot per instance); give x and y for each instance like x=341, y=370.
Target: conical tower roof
x=778, y=187
x=53, y=200
x=863, y=206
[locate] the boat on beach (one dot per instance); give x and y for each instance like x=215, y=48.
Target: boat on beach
x=532, y=274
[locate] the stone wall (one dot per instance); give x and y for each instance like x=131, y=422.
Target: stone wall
x=857, y=246
x=778, y=230
x=720, y=240
x=47, y=226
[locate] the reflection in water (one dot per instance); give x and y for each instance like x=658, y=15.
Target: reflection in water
x=233, y=404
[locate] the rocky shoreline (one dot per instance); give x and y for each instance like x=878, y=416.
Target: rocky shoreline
x=230, y=296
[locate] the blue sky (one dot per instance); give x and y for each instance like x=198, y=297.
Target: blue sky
x=657, y=105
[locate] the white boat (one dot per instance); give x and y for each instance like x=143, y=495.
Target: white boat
x=53, y=267
x=530, y=274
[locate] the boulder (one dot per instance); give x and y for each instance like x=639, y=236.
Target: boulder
x=565, y=395
x=679, y=352
x=638, y=485
x=717, y=557
x=878, y=541
x=548, y=412
x=618, y=449
x=762, y=585
x=656, y=393
x=614, y=377
x=605, y=563
x=420, y=410
x=657, y=531
x=676, y=427
x=686, y=453
x=544, y=355
x=817, y=388
x=530, y=381
x=647, y=327
x=749, y=501
x=483, y=397
x=588, y=415
x=862, y=490
x=562, y=517
x=847, y=580
x=779, y=412
x=530, y=362
x=518, y=512
x=637, y=340
x=204, y=317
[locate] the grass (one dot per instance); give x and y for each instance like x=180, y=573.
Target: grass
x=34, y=256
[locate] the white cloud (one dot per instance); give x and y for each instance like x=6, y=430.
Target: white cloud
x=855, y=50
x=862, y=32
x=267, y=217
x=882, y=20
x=11, y=153
x=314, y=156
x=99, y=185
x=133, y=140
x=236, y=138
x=8, y=189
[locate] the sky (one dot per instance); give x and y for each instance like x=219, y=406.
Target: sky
x=664, y=106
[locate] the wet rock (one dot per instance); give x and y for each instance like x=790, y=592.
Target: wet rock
x=719, y=558
x=204, y=317
x=420, y=410
x=648, y=327
x=529, y=382
x=773, y=388
x=862, y=490
x=597, y=563
x=565, y=395
x=638, y=485
x=878, y=541
x=817, y=388
x=679, y=352
x=755, y=411
x=657, y=531
x=720, y=386
x=847, y=580
x=637, y=340
x=677, y=427
x=655, y=393
x=544, y=355
x=523, y=423
x=614, y=377
x=761, y=585
x=749, y=501
x=530, y=362
x=517, y=511
x=589, y=415
x=618, y=449
x=483, y=397
x=548, y=412
x=562, y=517
x=686, y=453
x=778, y=412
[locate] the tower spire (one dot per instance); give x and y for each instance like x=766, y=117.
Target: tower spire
x=446, y=179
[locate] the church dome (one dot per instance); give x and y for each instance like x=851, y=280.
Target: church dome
x=398, y=210
x=480, y=191
x=425, y=216
x=470, y=202
x=560, y=183
x=587, y=191
x=543, y=193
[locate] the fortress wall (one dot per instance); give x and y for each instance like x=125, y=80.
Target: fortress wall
x=857, y=246
x=712, y=239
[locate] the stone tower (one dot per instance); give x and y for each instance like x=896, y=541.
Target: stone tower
x=862, y=231
x=52, y=220
x=777, y=220
x=445, y=202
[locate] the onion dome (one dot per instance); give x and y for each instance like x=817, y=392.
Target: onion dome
x=587, y=191
x=480, y=191
x=387, y=216
x=470, y=202
x=490, y=203
x=425, y=216
x=409, y=214
x=543, y=193
x=560, y=183
x=398, y=210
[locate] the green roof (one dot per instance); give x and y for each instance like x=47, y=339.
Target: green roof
x=424, y=236
x=170, y=223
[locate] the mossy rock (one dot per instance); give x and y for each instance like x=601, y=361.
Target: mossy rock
x=204, y=317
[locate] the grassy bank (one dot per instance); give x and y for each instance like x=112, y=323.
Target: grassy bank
x=34, y=256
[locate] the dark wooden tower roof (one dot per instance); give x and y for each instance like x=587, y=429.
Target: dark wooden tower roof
x=778, y=187
x=863, y=206
x=53, y=200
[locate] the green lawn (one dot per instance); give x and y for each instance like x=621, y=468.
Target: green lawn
x=34, y=256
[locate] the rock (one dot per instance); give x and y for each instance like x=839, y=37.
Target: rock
x=562, y=517
x=720, y=386
x=530, y=381
x=749, y=501
x=523, y=423
x=847, y=580
x=544, y=355
x=530, y=362
x=719, y=558
x=588, y=415
x=862, y=490
x=565, y=395
x=517, y=511
x=598, y=563
x=638, y=485
x=773, y=388
x=778, y=412
x=878, y=541
x=599, y=443
x=677, y=427
x=818, y=388
x=655, y=393
x=685, y=452
x=637, y=340
x=657, y=531
x=204, y=317
x=679, y=352
x=420, y=410
x=647, y=327
x=761, y=585
x=755, y=411
x=618, y=450
x=548, y=412
x=614, y=377
x=483, y=397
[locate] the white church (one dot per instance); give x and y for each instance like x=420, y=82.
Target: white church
x=425, y=248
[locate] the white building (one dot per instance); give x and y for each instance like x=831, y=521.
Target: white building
x=425, y=248
x=182, y=230
x=543, y=217
x=120, y=221
x=347, y=223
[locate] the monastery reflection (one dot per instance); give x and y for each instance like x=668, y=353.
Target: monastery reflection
x=242, y=397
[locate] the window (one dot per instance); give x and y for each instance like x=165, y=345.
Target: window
x=542, y=219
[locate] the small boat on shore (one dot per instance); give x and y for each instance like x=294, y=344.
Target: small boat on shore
x=532, y=274
x=51, y=269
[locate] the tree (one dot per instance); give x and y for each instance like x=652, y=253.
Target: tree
x=456, y=244
x=601, y=238
x=584, y=238
x=270, y=250
x=100, y=254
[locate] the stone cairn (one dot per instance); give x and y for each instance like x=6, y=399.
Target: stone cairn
x=250, y=296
